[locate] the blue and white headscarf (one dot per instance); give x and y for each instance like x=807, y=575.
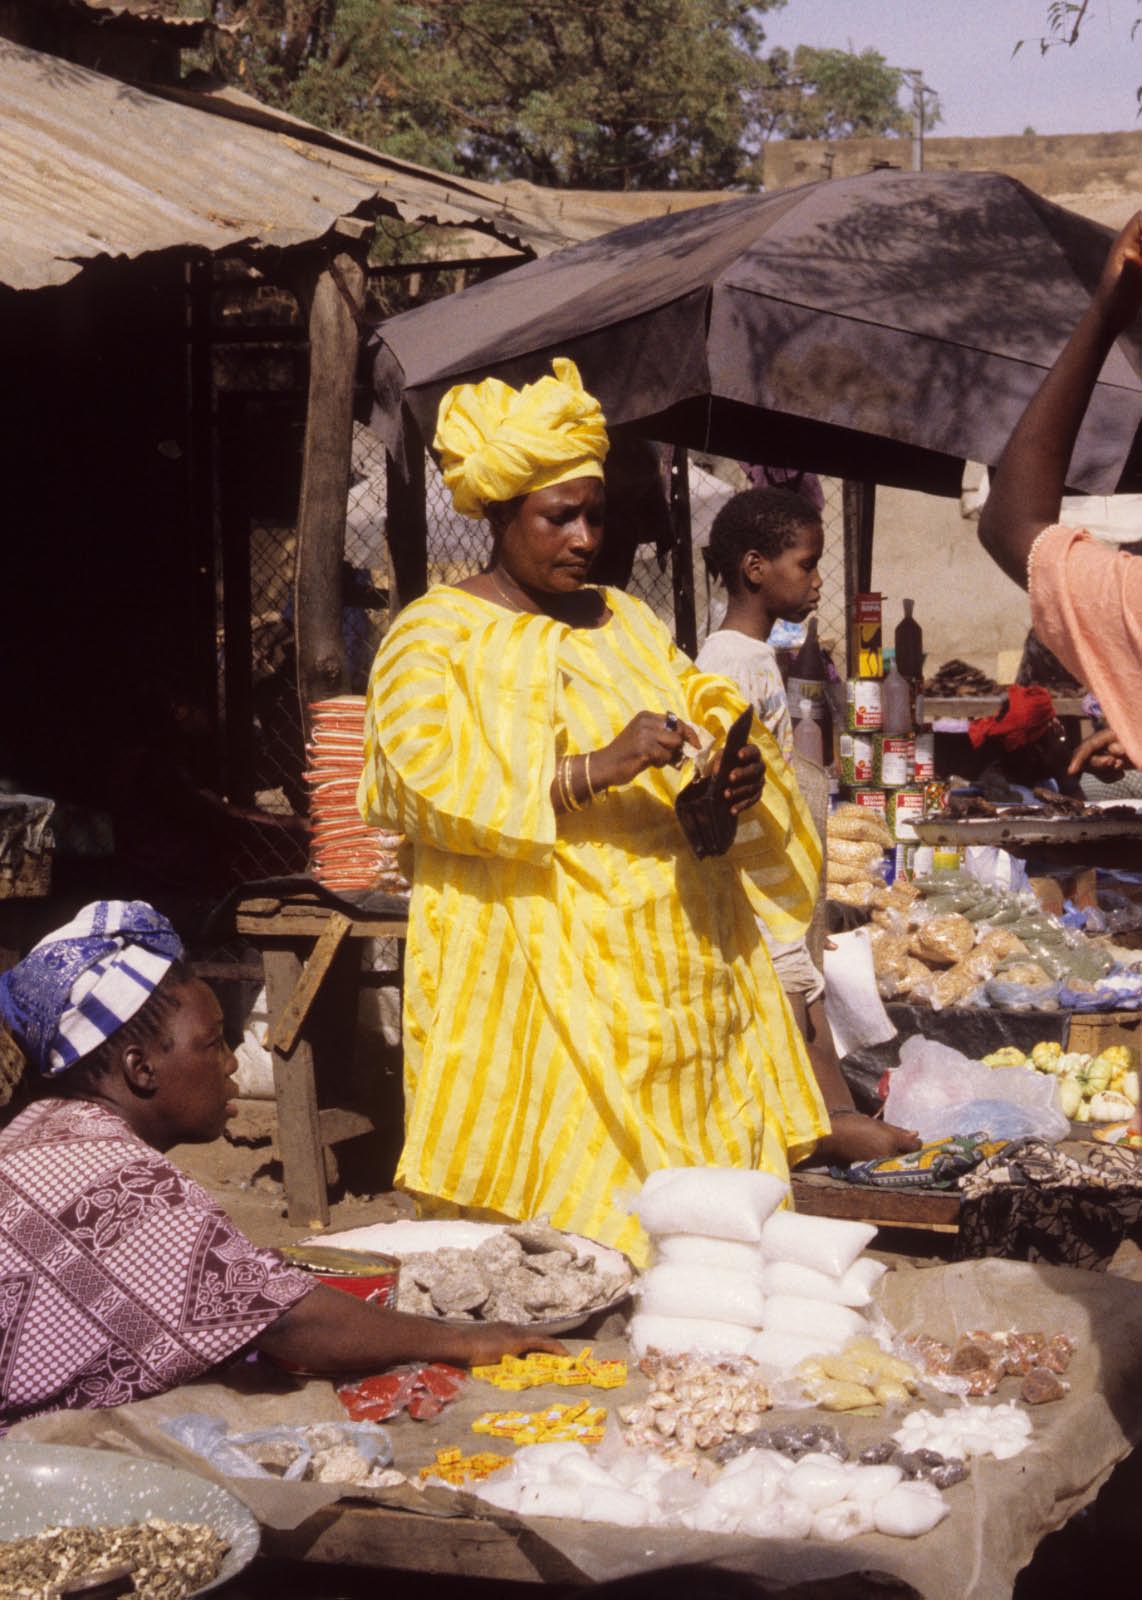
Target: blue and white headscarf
x=80, y=984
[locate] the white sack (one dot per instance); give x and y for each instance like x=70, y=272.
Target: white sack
x=854, y=1288
x=825, y=1243
x=724, y=1201
x=777, y=1352
x=701, y=1250
x=679, y=1336
x=812, y=1319
x=674, y=1290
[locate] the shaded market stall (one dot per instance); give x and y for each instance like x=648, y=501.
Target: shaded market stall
x=882, y=329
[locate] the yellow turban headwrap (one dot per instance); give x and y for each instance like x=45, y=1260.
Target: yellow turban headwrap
x=496, y=442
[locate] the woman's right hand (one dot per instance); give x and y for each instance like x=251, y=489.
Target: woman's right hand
x=1103, y=753
x=650, y=739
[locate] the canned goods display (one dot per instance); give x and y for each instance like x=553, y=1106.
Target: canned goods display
x=875, y=799
x=905, y=807
x=858, y=757
x=862, y=705
x=893, y=761
x=924, y=760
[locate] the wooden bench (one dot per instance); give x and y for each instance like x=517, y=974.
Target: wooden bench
x=933, y=1210
x=299, y=940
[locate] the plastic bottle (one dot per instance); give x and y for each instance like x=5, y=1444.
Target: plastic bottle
x=809, y=680
x=895, y=703
x=807, y=735
x=910, y=645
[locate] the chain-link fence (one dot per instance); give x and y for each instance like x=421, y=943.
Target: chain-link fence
x=270, y=761
x=459, y=546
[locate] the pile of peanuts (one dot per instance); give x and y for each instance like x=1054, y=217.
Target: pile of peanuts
x=694, y=1404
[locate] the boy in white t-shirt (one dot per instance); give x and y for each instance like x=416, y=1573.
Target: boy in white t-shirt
x=765, y=545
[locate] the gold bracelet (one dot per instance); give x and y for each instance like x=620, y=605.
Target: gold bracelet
x=569, y=775
x=560, y=784
x=596, y=794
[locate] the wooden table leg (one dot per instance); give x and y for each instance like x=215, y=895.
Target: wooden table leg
x=295, y=1089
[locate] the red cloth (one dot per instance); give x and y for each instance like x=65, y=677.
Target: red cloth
x=1030, y=712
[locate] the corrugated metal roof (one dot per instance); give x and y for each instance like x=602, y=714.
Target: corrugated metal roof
x=96, y=167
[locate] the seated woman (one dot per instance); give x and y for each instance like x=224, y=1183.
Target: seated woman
x=585, y=1000
x=119, y=1277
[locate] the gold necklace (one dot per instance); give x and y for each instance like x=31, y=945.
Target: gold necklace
x=498, y=586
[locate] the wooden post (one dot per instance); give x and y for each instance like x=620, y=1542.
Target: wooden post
x=859, y=505
x=295, y=1090
x=682, y=556
x=406, y=520
x=337, y=298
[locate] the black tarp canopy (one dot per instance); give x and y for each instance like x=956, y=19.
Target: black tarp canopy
x=886, y=327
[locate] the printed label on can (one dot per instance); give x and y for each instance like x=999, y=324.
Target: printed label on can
x=925, y=757
x=896, y=758
x=857, y=758
x=862, y=705
x=875, y=799
x=906, y=807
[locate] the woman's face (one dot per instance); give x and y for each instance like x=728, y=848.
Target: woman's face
x=554, y=536
x=196, y=1072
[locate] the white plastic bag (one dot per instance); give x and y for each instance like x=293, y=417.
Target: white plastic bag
x=727, y=1202
x=680, y=1336
x=827, y=1244
x=853, y=1289
x=699, y=1249
x=940, y=1092
x=678, y=1290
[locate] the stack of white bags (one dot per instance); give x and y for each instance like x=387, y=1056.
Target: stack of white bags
x=733, y=1275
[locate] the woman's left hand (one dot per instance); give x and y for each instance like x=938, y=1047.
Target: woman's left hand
x=747, y=779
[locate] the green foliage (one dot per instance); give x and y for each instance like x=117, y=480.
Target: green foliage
x=608, y=94
x=835, y=94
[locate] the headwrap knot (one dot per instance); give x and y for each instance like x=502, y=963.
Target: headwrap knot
x=496, y=442
x=80, y=984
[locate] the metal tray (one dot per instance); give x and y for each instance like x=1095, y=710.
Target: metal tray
x=62, y=1485
x=400, y=1239
x=1112, y=841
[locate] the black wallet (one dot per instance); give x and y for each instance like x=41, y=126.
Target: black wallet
x=701, y=806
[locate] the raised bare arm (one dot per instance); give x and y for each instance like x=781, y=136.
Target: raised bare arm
x=1027, y=486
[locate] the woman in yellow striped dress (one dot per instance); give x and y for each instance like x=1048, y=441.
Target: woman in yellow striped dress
x=585, y=1000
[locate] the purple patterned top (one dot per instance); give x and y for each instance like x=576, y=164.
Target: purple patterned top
x=119, y=1276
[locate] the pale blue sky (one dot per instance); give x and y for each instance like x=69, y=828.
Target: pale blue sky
x=964, y=49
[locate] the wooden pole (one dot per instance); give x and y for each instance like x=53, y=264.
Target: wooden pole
x=336, y=301
x=682, y=556
x=406, y=520
x=859, y=504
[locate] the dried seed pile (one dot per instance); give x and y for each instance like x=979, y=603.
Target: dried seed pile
x=171, y=1559
x=694, y=1404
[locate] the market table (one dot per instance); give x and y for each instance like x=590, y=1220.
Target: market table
x=300, y=937
x=933, y=1210
x=996, y=1518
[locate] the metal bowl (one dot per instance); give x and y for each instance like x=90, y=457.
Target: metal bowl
x=61, y=1485
x=407, y=1237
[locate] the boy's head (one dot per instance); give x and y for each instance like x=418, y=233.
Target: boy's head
x=768, y=542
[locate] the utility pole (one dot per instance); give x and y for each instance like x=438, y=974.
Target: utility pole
x=916, y=78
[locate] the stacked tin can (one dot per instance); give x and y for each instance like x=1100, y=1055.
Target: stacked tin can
x=886, y=754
